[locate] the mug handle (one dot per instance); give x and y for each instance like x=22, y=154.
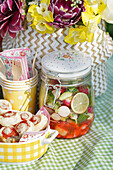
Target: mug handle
x=50, y=138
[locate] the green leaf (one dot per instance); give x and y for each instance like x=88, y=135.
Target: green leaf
x=50, y=97
x=83, y=117
x=72, y=89
x=56, y=106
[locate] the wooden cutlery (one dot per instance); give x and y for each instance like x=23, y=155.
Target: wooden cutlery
x=33, y=65
x=2, y=69
x=16, y=70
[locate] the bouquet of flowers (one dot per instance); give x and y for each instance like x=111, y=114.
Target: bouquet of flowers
x=11, y=17
x=80, y=16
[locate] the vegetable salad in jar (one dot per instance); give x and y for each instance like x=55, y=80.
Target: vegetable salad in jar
x=66, y=92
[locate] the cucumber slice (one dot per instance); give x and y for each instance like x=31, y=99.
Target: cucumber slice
x=65, y=95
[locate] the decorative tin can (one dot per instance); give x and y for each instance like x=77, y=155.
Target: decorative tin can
x=66, y=92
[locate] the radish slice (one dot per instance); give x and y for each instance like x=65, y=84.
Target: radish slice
x=64, y=111
x=55, y=116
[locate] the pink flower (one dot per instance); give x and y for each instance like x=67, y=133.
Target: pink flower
x=10, y=17
x=66, y=13
x=7, y=61
x=22, y=53
x=9, y=74
x=12, y=53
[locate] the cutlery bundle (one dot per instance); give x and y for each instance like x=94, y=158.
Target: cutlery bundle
x=15, y=64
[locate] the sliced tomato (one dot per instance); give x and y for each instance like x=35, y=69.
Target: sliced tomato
x=69, y=128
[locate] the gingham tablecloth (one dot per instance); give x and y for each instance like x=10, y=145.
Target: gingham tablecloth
x=94, y=151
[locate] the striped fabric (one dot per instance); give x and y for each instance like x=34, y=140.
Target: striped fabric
x=94, y=151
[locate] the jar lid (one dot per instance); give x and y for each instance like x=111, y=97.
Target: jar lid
x=66, y=62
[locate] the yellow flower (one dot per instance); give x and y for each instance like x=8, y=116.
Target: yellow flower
x=40, y=17
x=32, y=10
x=79, y=34
x=45, y=2
x=43, y=10
x=102, y=6
x=90, y=17
x=91, y=21
x=97, y=6
x=41, y=25
x=36, y=11
x=107, y=14
x=29, y=17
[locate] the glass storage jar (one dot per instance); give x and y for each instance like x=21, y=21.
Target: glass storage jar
x=66, y=92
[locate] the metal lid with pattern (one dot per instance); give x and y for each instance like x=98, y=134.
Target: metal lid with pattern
x=66, y=63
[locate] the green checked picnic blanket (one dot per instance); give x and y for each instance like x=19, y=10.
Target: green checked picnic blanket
x=93, y=151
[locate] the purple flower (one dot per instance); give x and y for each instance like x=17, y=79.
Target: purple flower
x=66, y=12
x=10, y=17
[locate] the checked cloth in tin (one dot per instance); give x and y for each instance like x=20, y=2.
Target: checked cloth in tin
x=93, y=151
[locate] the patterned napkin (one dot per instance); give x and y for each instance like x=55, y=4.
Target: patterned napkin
x=19, y=54
x=93, y=151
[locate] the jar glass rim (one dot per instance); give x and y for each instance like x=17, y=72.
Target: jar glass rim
x=73, y=75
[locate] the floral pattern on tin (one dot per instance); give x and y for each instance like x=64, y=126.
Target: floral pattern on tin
x=65, y=56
